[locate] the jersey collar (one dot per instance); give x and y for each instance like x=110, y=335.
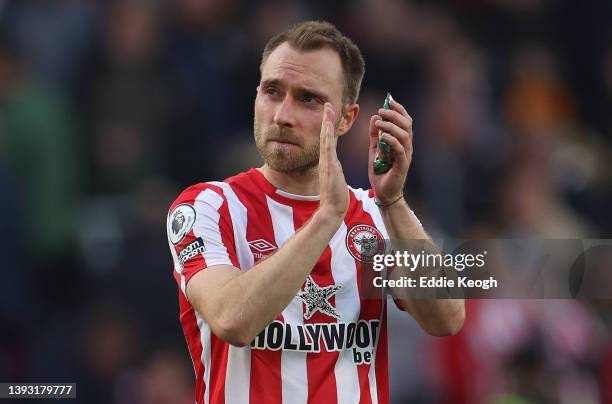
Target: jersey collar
x=279, y=194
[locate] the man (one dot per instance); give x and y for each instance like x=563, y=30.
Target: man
x=269, y=262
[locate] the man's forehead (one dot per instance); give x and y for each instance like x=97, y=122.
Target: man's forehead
x=316, y=68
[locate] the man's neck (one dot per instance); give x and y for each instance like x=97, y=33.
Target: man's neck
x=296, y=182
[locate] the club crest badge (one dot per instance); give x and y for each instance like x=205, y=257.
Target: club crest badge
x=364, y=242
x=180, y=222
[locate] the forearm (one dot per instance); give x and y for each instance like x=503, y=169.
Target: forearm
x=437, y=316
x=251, y=300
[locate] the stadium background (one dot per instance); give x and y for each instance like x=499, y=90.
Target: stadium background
x=109, y=108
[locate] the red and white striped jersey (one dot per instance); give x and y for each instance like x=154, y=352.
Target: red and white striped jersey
x=320, y=349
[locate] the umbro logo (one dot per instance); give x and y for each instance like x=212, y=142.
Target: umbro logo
x=261, y=245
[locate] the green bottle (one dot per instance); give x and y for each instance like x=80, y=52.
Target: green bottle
x=383, y=161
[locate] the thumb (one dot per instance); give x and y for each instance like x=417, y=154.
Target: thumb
x=373, y=139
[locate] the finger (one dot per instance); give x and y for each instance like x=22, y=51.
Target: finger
x=397, y=118
x=329, y=139
x=327, y=111
x=394, y=130
x=323, y=145
x=401, y=155
x=396, y=106
x=373, y=131
x=401, y=118
x=331, y=130
x=329, y=114
x=328, y=118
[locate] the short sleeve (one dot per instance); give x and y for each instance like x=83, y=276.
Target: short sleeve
x=199, y=232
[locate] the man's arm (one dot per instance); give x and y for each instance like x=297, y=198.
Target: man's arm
x=439, y=317
x=238, y=305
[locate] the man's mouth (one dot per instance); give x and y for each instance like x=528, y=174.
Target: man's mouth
x=283, y=141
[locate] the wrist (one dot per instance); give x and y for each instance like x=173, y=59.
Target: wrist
x=387, y=202
x=326, y=218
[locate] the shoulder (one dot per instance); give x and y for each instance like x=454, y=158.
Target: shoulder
x=197, y=192
x=187, y=207
x=206, y=200
x=210, y=191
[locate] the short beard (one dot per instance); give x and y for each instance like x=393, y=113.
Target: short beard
x=283, y=160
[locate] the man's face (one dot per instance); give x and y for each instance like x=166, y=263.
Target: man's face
x=289, y=105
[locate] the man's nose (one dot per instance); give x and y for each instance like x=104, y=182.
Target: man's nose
x=285, y=114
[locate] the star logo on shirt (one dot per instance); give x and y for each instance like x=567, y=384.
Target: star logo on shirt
x=316, y=298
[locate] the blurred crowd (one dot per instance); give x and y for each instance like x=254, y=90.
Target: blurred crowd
x=108, y=108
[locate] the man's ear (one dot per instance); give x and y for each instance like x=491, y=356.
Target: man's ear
x=349, y=115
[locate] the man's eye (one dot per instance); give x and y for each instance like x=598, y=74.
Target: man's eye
x=270, y=91
x=309, y=98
